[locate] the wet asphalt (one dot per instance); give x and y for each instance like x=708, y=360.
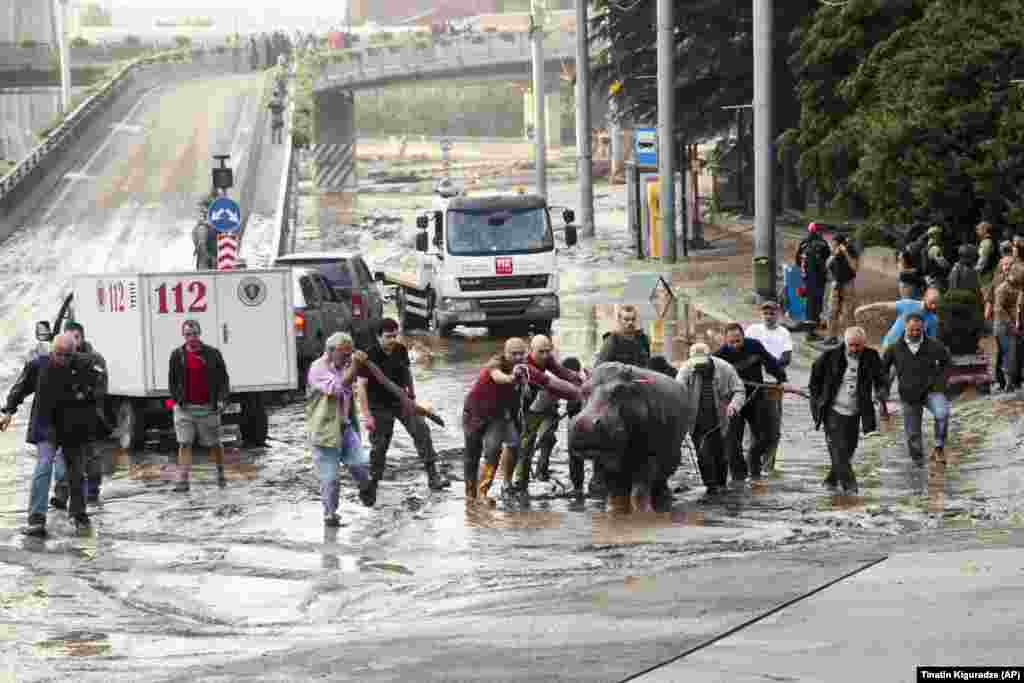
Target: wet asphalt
x=245, y=583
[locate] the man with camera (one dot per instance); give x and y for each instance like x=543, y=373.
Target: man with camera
x=842, y=266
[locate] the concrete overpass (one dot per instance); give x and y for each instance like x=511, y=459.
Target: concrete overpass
x=502, y=56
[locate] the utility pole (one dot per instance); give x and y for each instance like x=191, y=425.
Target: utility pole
x=666, y=133
x=584, y=151
x=764, y=160
x=65, y=57
x=537, y=22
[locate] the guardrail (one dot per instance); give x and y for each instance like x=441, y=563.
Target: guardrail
x=375, y=63
x=65, y=133
x=284, y=226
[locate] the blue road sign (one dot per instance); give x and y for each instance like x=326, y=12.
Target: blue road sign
x=225, y=215
x=645, y=146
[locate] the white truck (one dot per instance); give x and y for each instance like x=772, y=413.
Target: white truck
x=491, y=262
x=134, y=320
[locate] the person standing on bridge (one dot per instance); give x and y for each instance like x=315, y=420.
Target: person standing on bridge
x=199, y=386
x=276, y=107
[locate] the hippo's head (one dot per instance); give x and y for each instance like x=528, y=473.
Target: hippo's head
x=616, y=405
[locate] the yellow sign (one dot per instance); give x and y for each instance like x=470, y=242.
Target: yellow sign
x=615, y=88
x=654, y=206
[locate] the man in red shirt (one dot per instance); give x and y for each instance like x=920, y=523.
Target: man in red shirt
x=491, y=414
x=198, y=381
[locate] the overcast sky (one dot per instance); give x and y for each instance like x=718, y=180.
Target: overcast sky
x=298, y=7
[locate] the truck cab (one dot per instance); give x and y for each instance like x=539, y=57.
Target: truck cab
x=487, y=261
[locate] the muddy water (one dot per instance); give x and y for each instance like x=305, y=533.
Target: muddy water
x=245, y=582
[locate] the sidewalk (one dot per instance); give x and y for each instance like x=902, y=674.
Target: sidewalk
x=913, y=609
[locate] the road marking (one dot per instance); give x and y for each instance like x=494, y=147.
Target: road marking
x=106, y=143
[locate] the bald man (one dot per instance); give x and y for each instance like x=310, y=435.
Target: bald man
x=540, y=402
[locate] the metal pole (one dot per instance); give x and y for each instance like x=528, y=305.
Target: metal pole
x=584, y=153
x=764, y=212
x=539, y=127
x=65, y=66
x=666, y=136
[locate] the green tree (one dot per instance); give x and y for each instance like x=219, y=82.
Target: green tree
x=94, y=15
x=908, y=109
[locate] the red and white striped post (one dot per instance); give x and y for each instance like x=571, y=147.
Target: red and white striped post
x=227, y=250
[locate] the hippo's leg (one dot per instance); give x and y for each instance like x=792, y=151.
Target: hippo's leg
x=620, y=483
x=641, y=496
x=661, y=496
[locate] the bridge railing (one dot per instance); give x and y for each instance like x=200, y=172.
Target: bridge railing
x=67, y=131
x=375, y=63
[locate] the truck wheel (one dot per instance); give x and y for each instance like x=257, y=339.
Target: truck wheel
x=131, y=425
x=253, y=422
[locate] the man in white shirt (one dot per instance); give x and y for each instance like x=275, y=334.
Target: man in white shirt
x=776, y=339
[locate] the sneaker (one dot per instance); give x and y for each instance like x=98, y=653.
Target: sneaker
x=35, y=529
x=59, y=503
x=332, y=521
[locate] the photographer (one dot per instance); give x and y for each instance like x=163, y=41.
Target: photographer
x=842, y=266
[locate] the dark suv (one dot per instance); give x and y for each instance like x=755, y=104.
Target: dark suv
x=318, y=312
x=351, y=281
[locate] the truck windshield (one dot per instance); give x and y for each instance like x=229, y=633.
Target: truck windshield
x=478, y=233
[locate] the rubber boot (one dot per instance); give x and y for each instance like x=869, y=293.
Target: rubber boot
x=471, y=490
x=217, y=455
x=486, y=479
x=619, y=505
x=184, y=468
x=543, y=469
x=434, y=479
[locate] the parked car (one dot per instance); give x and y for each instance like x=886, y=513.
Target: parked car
x=318, y=313
x=352, y=282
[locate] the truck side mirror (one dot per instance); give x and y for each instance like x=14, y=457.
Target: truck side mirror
x=43, y=331
x=570, y=235
x=421, y=242
x=568, y=216
x=421, y=222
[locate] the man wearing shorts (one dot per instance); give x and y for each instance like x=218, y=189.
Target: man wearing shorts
x=199, y=386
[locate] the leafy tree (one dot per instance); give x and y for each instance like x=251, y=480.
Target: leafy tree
x=908, y=109
x=94, y=15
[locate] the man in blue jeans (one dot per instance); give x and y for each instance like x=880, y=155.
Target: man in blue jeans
x=920, y=364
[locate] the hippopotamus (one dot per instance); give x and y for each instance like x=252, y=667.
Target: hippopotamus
x=633, y=421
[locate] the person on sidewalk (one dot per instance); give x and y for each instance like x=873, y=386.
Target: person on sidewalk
x=928, y=307
x=1005, y=314
x=811, y=257
x=199, y=386
x=920, y=363
x=715, y=387
x=751, y=359
x=93, y=462
x=332, y=425
x=777, y=340
x=380, y=408
x=540, y=413
x=841, y=386
x=988, y=254
x=842, y=265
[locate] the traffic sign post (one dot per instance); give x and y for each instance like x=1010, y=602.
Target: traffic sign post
x=226, y=217
x=227, y=250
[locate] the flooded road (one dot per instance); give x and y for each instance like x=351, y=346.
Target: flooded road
x=245, y=583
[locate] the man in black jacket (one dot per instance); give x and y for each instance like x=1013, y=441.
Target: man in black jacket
x=811, y=257
x=751, y=359
x=69, y=386
x=628, y=344
x=841, y=382
x=199, y=385
x=921, y=364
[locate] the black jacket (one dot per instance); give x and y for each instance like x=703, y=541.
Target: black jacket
x=635, y=350
x=827, y=376
x=750, y=360
x=919, y=374
x=815, y=252
x=26, y=385
x=67, y=396
x=216, y=375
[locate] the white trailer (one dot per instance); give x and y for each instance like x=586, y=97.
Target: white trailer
x=134, y=320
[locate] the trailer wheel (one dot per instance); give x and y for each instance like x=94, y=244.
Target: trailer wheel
x=253, y=422
x=131, y=425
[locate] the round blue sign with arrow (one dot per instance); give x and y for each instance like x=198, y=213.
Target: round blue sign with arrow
x=224, y=215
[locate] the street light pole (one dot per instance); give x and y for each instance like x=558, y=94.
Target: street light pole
x=537, y=21
x=584, y=152
x=65, y=66
x=666, y=132
x=764, y=161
